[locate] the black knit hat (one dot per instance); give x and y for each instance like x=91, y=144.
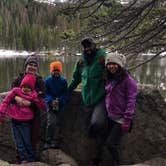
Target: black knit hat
x=88, y=42
x=31, y=59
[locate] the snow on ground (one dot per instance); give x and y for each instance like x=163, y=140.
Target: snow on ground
x=13, y=53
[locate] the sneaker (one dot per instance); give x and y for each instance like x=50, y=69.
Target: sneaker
x=24, y=162
x=47, y=146
x=94, y=162
x=17, y=159
x=54, y=146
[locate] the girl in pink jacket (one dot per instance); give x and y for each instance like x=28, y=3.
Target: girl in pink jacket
x=21, y=115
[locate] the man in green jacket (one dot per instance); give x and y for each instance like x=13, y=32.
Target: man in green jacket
x=89, y=72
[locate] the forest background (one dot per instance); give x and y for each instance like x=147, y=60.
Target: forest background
x=132, y=28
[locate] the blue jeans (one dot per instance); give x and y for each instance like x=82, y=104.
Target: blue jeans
x=97, y=124
x=21, y=131
x=96, y=119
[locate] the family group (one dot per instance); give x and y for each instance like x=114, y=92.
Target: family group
x=108, y=92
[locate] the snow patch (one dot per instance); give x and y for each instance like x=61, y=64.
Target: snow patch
x=13, y=53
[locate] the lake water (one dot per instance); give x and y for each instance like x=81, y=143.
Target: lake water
x=151, y=73
x=11, y=67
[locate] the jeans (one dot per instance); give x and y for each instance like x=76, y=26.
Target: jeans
x=21, y=134
x=96, y=119
x=110, y=154
x=53, y=128
x=96, y=123
x=35, y=130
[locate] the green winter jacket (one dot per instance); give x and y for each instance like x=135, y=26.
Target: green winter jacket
x=91, y=78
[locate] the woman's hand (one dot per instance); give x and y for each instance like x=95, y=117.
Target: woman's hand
x=125, y=126
x=22, y=102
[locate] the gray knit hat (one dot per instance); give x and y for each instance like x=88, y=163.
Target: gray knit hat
x=117, y=58
x=31, y=59
x=88, y=42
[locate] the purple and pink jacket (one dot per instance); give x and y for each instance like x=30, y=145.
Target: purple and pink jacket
x=120, y=98
x=15, y=111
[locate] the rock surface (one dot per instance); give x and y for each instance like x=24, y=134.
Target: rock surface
x=57, y=157
x=146, y=141
x=148, y=137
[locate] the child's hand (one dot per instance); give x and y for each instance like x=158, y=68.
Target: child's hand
x=26, y=103
x=18, y=99
x=125, y=126
x=55, y=103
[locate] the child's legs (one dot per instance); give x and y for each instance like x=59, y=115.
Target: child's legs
x=21, y=133
x=52, y=126
x=15, y=127
x=26, y=136
x=56, y=135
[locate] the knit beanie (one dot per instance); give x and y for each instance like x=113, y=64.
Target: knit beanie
x=88, y=42
x=31, y=59
x=56, y=65
x=29, y=79
x=117, y=58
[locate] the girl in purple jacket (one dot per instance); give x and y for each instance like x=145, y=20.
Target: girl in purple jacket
x=121, y=91
x=21, y=115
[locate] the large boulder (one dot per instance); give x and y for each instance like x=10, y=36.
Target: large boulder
x=146, y=140
x=4, y=163
x=57, y=157
x=154, y=162
x=148, y=137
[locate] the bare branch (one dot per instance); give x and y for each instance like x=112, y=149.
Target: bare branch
x=148, y=60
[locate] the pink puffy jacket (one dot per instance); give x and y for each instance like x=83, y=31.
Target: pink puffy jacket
x=15, y=111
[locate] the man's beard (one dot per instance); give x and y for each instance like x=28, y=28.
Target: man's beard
x=89, y=55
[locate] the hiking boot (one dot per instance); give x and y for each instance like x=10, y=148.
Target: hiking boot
x=94, y=162
x=47, y=146
x=24, y=162
x=17, y=159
